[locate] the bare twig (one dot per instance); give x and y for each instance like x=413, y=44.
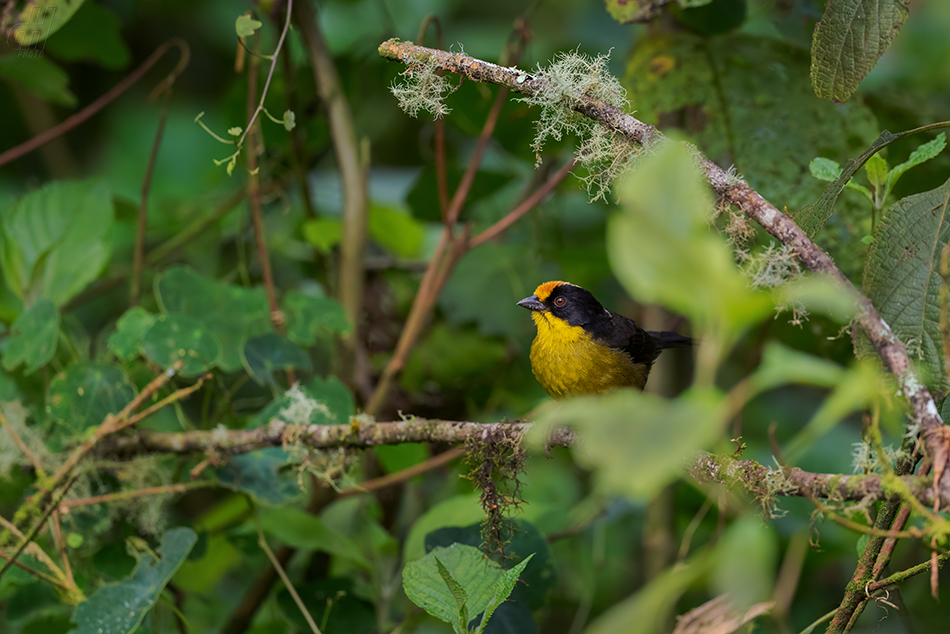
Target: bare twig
x=138, y=256
x=100, y=103
x=283, y=577
x=391, y=479
x=120, y=496
x=353, y=163
x=41, y=474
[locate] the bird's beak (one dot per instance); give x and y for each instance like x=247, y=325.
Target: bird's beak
x=532, y=303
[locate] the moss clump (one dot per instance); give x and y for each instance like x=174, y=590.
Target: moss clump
x=423, y=88
x=495, y=460
x=605, y=153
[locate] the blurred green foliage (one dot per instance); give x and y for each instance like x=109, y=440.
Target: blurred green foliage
x=732, y=77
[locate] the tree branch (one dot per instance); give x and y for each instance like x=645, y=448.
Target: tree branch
x=732, y=189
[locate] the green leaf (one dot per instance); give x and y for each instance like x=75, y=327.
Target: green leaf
x=648, y=611
x=308, y=532
x=40, y=75
x=923, y=153
x=459, y=510
x=425, y=586
x=54, y=239
x=94, y=34
x=857, y=388
x=126, y=341
x=756, y=108
x=86, y=393
x=308, y=316
x=502, y=589
x=234, y=314
x=118, y=608
x=33, y=338
x=458, y=592
x=876, y=168
x=175, y=337
x=323, y=233
x=902, y=276
x=745, y=561
x=245, y=25
x=813, y=217
x=702, y=282
x=396, y=230
x=330, y=600
x=523, y=539
x=270, y=353
x=782, y=365
x=41, y=18
x=849, y=39
x=337, y=403
x=263, y=474
x=636, y=442
x=824, y=169
x=290, y=120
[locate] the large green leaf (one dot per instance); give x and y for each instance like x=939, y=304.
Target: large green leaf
x=118, y=608
x=40, y=76
x=41, y=18
x=263, y=474
x=54, y=239
x=309, y=316
x=458, y=582
x=746, y=102
x=396, y=230
x=523, y=539
x=636, y=442
x=267, y=354
x=176, y=337
x=86, y=393
x=647, y=611
x=745, y=562
x=95, y=34
x=902, y=276
x=665, y=213
x=849, y=39
x=234, y=314
x=126, y=341
x=459, y=510
x=33, y=337
x=305, y=531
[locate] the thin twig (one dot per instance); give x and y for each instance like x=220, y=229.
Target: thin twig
x=903, y=575
x=167, y=489
x=36, y=573
x=41, y=474
x=60, y=542
x=353, y=161
x=34, y=550
x=401, y=476
x=100, y=103
x=138, y=256
x=31, y=535
x=283, y=576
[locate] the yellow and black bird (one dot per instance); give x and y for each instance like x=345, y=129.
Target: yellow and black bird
x=583, y=348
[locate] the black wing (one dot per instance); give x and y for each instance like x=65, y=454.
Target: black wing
x=626, y=335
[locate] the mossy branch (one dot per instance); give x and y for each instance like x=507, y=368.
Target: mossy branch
x=730, y=188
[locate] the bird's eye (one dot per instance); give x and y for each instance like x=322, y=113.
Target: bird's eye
x=560, y=301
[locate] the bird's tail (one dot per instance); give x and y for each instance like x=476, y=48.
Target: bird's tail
x=668, y=339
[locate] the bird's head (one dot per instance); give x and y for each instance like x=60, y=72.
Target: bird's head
x=575, y=305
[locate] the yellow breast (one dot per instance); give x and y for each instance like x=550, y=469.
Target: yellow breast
x=567, y=361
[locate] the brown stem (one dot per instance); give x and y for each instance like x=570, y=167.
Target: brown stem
x=297, y=155
x=100, y=103
x=138, y=256
x=390, y=479
x=41, y=474
x=441, y=179
x=167, y=489
x=61, y=547
x=542, y=192
x=353, y=163
x=31, y=535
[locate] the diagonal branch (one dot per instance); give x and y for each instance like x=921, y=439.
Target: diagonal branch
x=729, y=187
